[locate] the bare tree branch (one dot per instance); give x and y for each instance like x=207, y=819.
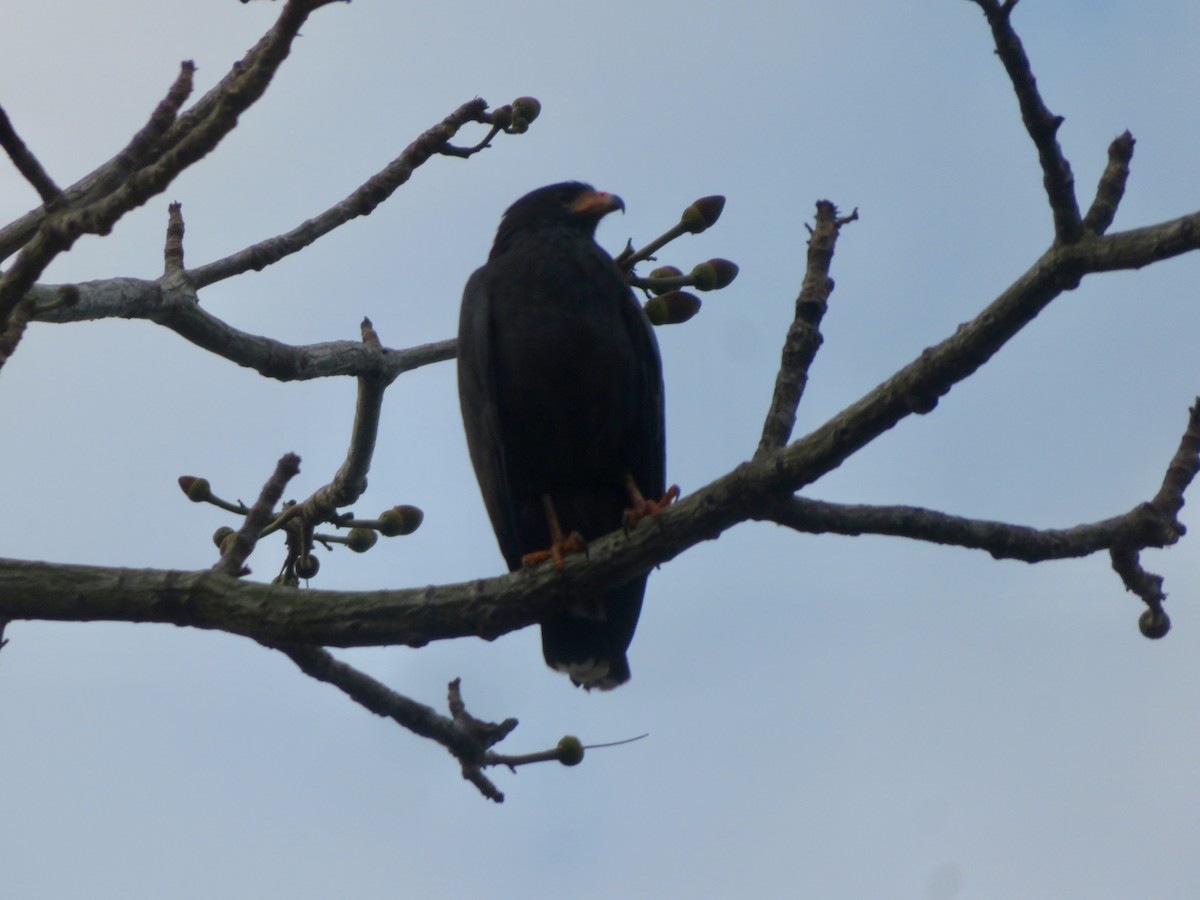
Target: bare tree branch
x=1182, y=470
x=14, y=329
x=172, y=302
x=804, y=336
x=297, y=623
x=1041, y=124
x=1112, y=185
x=240, y=88
x=1126, y=562
x=61, y=226
x=26, y=163
x=350, y=480
x=489, y=607
x=1142, y=526
x=466, y=737
x=173, y=250
x=238, y=550
x=362, y=201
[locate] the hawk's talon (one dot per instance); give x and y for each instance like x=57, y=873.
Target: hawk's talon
x=572, y=543
x=640, y=507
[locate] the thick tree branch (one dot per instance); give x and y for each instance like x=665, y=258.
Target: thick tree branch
x=494, y=606
x=490, y=607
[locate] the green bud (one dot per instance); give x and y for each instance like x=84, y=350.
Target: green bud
x=360, y=540
x=502, y=116
x=197, y=489
x=570, y=751
x=1154, y=624
x=656, y=311
x=725, y=271
x=704, y=277
x=702, y=214
x=527, y=108
x=221, y=533
x=307, y=566
x=678, y=306
x=400, y=520
x=286, y=580
x=664, y=272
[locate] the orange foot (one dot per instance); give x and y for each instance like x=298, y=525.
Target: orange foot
x=640, y=507
x=560, y=545
x=572, y=543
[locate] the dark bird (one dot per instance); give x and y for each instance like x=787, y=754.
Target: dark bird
x=562, y=399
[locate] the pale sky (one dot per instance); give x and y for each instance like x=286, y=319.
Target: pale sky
x=829, y=717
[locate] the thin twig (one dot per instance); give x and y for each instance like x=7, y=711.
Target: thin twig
x=1141, y=526
x=172, y=302
x=27, y=164
x=1182, y=469
x=233, y=560
x=1041, y=124
x=804, y=335
x=360, y=202
x=466, y=737
x=1112, y=185
x=350, y=480
x=173, y=250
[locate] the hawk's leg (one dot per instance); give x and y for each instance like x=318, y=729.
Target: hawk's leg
x=560, y=545
x=639, y=507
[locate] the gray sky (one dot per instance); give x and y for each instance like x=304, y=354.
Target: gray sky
x=829, y=717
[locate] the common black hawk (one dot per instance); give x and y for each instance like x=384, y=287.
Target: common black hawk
x=561, y=390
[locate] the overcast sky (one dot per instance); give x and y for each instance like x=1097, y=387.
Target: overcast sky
x=828, y=717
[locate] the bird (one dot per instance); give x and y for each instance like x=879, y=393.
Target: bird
x=560, y=384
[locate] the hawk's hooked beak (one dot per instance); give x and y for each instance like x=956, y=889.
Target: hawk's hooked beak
x=596, y=204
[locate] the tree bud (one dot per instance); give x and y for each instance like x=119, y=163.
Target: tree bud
x=360, y=540
x=524, y=111
x=702, y=214
x=673, y=308
x=526, y=108
x=570, y=751
x=656, y=311
x=197, y=489
x=716, y=274
x=1154, y=624
x=400, y=520
x=502, y=116
x=307, y=566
